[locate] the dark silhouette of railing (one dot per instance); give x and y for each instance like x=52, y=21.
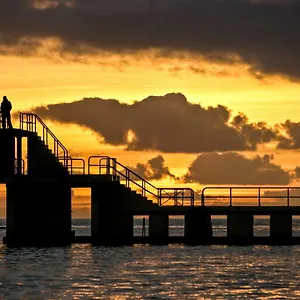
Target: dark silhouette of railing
x=106, y=165
x=162, y=196
x=258, y=194
x=29, y=122
x=75, y=169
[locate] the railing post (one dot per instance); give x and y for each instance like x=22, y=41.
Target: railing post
x=71, y=164
x=143, y=187
x=182, y=197
x=193, y=198
x=259, y=196
x=114, y=167
x=159, y=197
x=108, y=166
x=230, y=196
x=288, y=196
x=202, y=198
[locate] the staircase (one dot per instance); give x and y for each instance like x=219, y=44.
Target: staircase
x=48, y=158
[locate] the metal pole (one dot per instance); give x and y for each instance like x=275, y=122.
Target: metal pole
x=230, y=196
x=258, y=196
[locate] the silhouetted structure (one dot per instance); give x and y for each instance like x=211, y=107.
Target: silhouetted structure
x=6, y=108
x=144, y=227
x=39, y=185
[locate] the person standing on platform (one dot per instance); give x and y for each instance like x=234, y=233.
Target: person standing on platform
x=5, y=112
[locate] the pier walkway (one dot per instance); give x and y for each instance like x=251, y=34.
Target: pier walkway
x=39, y=174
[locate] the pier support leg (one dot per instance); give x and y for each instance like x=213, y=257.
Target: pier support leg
x=240, y=226
x=158, y=227
x=197, y=226
x=112, y=222
x=281, y=226
x=38, y=213
x=7, y=154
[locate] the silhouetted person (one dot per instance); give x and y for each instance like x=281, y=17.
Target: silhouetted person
x=5, y=112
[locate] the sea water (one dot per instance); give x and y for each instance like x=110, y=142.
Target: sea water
x=177, y=271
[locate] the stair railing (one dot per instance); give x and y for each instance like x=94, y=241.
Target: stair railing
x=162, y=196
x=29, y=122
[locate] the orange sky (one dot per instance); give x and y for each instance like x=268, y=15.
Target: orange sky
x=30, y=82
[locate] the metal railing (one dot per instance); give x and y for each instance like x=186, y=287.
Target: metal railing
x=72, y=168
x=162, y=196
x=30, y=122
x=259, y=196
x=105, y=165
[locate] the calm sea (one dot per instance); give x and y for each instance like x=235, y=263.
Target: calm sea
x=82, y=271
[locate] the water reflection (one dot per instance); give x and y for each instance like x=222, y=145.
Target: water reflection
x=144, y=272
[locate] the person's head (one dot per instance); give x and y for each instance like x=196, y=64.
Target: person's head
x=5, y=98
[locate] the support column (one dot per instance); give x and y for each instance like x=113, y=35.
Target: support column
x=112, y=219
x=158, y=227
x=197, y=226
x=7, y=154
x=19, y=155
x=240, y=226
x=38, y=213
x=281, y=226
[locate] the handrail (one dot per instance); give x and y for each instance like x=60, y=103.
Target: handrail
x=175, y=194
x=111, y=164
x=77, y=167
x=30, y=120
x=71, y=166
x=257, y=196
x=109, y=167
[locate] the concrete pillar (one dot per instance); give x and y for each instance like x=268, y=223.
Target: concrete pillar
x=19, y=155
x=7, y=154
x=197, y=225
x=281, y=226
x=159, y=226
x=240, y=226
x=38, y=213
x=112, y=219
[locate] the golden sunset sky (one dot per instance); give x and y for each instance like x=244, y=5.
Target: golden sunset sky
x=235, y=56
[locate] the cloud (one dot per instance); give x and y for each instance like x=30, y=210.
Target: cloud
x=291, y=139
x=263, y=34
x=154, y=169
x=233, y=168
x=166, y=123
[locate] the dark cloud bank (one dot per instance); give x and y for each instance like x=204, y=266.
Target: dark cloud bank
x=263, y=33
x=171, y=124
x=225, y=169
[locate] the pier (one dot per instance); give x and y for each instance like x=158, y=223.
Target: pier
x=39, y=174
